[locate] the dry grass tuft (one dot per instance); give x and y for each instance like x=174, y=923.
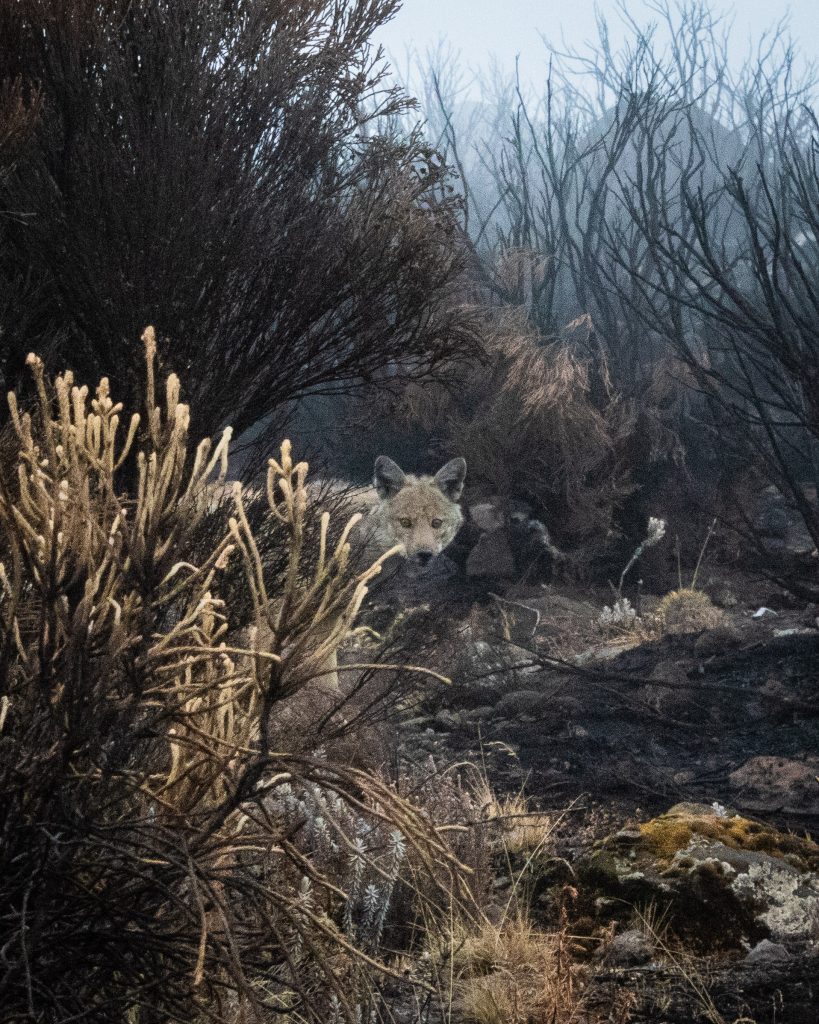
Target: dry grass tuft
x=511, y=973
x=517, y=828
x=687, y=611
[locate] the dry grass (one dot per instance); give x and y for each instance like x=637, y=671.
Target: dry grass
x=653, y=923
x=510, y=973
x=515, y=828
x=687, y=611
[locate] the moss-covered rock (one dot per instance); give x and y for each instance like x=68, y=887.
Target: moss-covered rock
x=665, y=836
x=723, y=880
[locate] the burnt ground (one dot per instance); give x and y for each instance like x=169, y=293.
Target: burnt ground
x=633, y=723
x=612, y=729
x=658, y=724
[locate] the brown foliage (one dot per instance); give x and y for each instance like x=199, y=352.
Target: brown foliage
x=539, y=420
x=19, y=109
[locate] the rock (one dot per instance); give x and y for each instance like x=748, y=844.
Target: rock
x=721, y=879
x=510, y=543
x=676, y=700
x=628, y=949
x=483, y=713
x=776, y=782
x=446, y=719
x=487, y=516
x=766, y=952
x=521, y=702
x=560, y=614
x=532, y=548
x=779, y=525
x=723, y=596
x=491, y=558
x=492, y=668
x=773, y=519
x=778, y=896
x=601, y=652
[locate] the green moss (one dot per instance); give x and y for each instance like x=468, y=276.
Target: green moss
x=664, y=836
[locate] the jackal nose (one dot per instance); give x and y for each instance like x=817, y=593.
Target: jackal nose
x=424, y=557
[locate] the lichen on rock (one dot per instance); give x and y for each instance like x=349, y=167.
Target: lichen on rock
x=724, y=880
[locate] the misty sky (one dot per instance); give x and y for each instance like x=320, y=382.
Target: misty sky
x=503, y=28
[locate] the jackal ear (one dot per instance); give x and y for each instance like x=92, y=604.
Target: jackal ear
x=450, y=478
x=389, y=478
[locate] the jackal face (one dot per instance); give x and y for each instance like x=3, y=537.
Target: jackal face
x=419, y=513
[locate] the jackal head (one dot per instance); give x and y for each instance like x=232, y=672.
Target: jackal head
x=420, y=513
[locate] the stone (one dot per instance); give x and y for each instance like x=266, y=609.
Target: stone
x=779, y=525
x=521, y=702
x=718, y=640
x=723, y=880
x=766, y=952
x=487, y=516
x=532, y=548
x=773, y=521
x=446, y=719
x=491, y=558
x=484, y=672
x=778, y=782
x=628, y=949
x=483, y=713
x=786, y=901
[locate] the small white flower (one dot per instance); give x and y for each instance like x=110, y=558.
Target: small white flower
x=620, y=614
x=656, y=530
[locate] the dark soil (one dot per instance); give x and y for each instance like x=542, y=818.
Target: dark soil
x=665, y=721
x=609, y=730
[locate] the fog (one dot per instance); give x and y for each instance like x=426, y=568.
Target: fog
x=481, y=30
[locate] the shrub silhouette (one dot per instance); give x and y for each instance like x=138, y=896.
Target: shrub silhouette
x=228, y=172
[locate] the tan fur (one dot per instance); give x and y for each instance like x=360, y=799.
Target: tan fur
x=419, y=514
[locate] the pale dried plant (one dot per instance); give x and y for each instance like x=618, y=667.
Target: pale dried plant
x=509, y=972
x=137, y=731
x=517, y=828
x=618, y=617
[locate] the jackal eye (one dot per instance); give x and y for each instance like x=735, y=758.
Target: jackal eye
x=406, y=523
x=437, y=524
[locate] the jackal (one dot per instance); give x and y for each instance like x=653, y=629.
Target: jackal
x=420, y=514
